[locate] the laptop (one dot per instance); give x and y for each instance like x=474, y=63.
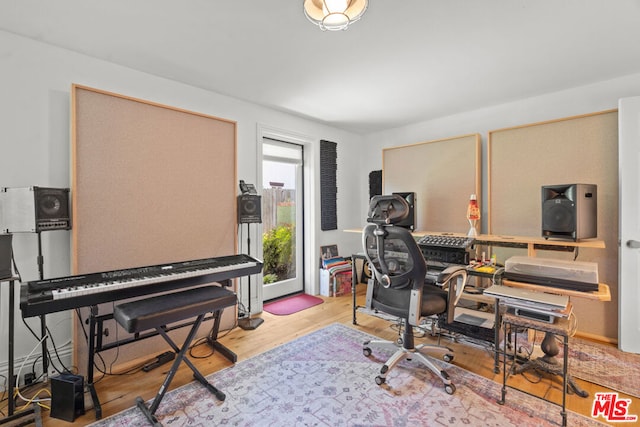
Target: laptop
x=528, y=298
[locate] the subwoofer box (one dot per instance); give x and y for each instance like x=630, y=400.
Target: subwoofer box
x=67, y=397
x=569, y=211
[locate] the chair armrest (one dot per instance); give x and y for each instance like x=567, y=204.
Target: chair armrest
x=453, y=278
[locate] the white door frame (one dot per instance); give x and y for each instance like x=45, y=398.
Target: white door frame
x=310, y=273
x=294, y=284
x=629, y=261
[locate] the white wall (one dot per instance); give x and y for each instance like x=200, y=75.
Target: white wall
x=35, y=150
x=35, y=141
x=570, y=102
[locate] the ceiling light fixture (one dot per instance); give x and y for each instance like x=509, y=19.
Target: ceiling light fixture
x=334, y=15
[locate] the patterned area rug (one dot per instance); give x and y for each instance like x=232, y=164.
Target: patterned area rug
x=323, y=379
x=605, y=365
x=600, y=364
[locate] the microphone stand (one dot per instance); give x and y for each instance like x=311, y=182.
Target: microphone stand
x=248, y=323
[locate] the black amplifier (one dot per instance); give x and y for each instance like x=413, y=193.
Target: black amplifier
x=471, y=331
x=445, y=255
x=445, y=249
x=471, y=323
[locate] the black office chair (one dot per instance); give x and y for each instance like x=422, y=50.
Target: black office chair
x=400, y=287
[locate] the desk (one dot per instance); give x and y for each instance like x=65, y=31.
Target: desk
x=531, y=244
x=548, y=363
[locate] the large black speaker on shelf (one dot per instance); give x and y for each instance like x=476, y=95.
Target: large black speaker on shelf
x=249, y=209
x=410, y=221
x=34, y=209
x=569, y=211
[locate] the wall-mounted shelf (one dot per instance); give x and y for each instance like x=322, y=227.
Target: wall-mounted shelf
x=531, y=244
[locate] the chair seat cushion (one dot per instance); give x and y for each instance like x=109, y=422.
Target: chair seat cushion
x=149, y=313
x=434, y=300
x=396, y=303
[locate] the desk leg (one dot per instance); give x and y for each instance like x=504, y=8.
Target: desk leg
x=548, y=363
x=496, y=337
x=565, y=377
x=354, y=284
x=504, y=361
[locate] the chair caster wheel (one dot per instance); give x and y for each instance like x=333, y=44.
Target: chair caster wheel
x=448, y=358
x=450, y=388
x=366, y=351
x=380, y=380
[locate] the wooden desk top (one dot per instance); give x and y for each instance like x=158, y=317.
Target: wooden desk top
x=498, y=240
x=602, y=294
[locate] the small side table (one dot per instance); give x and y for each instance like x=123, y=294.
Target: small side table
x=560, y=328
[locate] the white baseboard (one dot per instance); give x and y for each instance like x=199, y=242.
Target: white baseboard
x=65, y=354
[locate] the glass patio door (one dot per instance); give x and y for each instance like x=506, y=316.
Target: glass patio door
x=282, y=238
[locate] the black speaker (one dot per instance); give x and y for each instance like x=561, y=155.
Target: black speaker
x=569, y=211
x=5, y=256
x=375, y=183
x=249, y=208
x=34, y=209
x=410, y=221
x=67, y=397
x=52, y=208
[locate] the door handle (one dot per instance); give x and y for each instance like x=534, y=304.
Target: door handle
x=634, y=244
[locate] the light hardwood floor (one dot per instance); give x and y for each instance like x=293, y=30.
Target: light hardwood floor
x=119, y=392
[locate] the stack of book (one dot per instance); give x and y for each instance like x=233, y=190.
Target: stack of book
x=335, y=276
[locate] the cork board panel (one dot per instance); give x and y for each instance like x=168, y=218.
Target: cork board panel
x=443, y=173
x=573, y=150
x=151, y=184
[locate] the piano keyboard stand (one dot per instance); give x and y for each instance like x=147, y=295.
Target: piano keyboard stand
x=159, y=311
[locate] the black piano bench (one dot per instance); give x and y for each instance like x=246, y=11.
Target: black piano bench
x=159, y=311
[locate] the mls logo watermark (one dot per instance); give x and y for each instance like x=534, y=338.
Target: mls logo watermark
x=612, y=408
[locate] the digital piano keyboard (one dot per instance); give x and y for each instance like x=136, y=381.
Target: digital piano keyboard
x=64, y=293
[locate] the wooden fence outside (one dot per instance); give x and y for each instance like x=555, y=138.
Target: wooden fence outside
x=272, y=198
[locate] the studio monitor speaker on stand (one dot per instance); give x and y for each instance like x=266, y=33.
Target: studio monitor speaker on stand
x=249, y=212
x=375, y=183
x=410, y=221
x=569, y=211
x=34, y=209
x=249, y=209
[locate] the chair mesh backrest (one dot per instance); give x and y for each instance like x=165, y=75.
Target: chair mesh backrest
x=401, y=259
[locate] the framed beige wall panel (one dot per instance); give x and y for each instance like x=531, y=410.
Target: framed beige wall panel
x=443, y=173
x=573, y=150
x=151, y=184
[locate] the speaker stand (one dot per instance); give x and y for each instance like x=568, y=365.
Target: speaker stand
x=43, y=320
x=248, y=323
